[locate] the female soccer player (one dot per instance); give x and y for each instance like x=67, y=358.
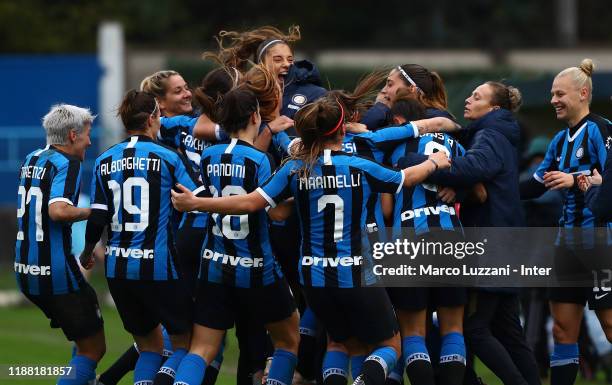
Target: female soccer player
x=418, y=81
x=422, y=209
x=575, y=150
x=331, y=189
x=378, y=146
x=47, y=274
x=260, y=80
x=131, y=194
x=238, y=268
x=300, y=80
x=179, y=130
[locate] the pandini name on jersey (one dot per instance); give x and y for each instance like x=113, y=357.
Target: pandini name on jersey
x=330, y=181
x=226, y=169
x=130, y=163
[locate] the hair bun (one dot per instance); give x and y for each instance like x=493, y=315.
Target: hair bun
x=516, y=99
x=587, y=66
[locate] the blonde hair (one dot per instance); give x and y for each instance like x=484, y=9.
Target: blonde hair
x=581, y=75
x=156, y=83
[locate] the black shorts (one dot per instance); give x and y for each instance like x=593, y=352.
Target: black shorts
x=597, y=298
x=217, y=306
x=142, y=305
x=285, y=241
x=420, y=298
x=189, y=242
x=365, y=313
x=575, y=267
x=77, y=314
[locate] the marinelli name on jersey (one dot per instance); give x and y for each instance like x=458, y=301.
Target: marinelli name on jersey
x=330, y=181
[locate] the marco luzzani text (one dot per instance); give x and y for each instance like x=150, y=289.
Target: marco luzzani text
x=417, y=253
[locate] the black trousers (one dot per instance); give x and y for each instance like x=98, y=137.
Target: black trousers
x=494, y=334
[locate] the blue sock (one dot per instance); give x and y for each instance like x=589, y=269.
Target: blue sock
x=414, y=349
x=564, y=354
x=168, y=349
x=453, y=348
x=172, y=363
x=146, y=367
x=83, y=370
x=452, y=359
x=385, y=356
x=397, y=374
x=191, y=370
x=564, y=363
x=308, y=323
x=356, y=364
x=335, y=364
x=281, y=370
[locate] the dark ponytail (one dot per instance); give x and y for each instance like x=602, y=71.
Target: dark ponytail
x=438, y=98
x=214, y=85
x=235, y=109
x=136, y=108
x=433, y=93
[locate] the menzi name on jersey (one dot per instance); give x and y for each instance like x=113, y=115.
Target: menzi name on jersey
x=43, y=263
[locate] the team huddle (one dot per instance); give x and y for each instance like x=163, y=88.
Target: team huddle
x=252, y=202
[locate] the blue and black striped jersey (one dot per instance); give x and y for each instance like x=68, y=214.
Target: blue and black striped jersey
x=44, y=264
x=177, y=132
x=418, y=206
x=577, y=150
x=378, y=146
x=132, y=182
x=331, y=204
x=237, y=250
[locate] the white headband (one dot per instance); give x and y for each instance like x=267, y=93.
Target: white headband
x=265, y=47
x=236, y=77
x=408, y=78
